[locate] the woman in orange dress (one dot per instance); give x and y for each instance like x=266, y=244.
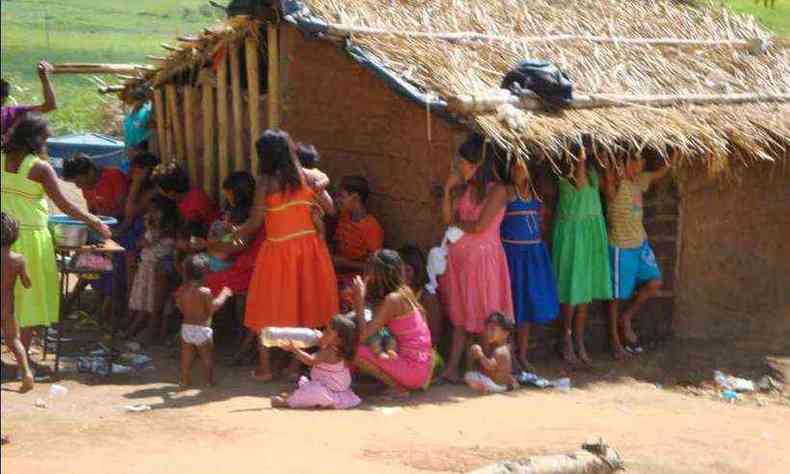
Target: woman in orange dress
x=294, y=281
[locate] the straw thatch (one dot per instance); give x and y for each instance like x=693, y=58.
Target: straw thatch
x=506, y=31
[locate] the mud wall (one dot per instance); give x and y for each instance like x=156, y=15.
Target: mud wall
x=734, y=271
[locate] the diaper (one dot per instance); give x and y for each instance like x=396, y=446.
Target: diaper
x=196, y=335
x=474, y=379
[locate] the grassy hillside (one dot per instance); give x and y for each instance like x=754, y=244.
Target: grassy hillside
x=776, y=19
x=88, y=31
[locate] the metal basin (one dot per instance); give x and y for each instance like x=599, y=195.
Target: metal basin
x=70, y=235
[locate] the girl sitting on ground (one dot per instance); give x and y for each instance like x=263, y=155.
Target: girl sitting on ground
x=329, y=385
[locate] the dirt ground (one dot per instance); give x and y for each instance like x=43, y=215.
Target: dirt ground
x=660, y=412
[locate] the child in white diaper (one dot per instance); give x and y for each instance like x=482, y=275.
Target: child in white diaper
x=198, y=305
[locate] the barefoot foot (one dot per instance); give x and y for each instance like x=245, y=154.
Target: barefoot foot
x=279, y=402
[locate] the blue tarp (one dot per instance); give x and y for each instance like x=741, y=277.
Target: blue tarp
x=103, y=150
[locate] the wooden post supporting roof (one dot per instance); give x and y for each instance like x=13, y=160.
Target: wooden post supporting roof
x=175, y=121
x=161, y=132
x=254, y=93
x=238, y=109
x=209, y=157
x=274, y=74
x=223, y=117
x=189, y=129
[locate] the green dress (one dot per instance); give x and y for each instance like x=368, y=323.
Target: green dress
x=26, y=202
x=580, y=251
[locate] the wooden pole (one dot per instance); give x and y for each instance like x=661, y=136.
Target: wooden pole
x=175, y=120
x=274, y=75
x=223, y=118
x=161, y=131
x=189, y=129
x=209, y=157
x=74, y=68
x=254, y=94
x=238, y=108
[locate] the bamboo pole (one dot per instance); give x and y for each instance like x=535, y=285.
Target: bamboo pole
x=238, y=109
x=175, y=120
x=189, y=132
x=209, y=157
x=161, y=131
x=254, y=94
x=111, y=89
x=274, y=74
x=223, y=117
x=489, y=102
x=74, y=68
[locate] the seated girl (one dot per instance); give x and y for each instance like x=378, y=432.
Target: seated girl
x=329, y=385
x=156, y=258
x=395, y=307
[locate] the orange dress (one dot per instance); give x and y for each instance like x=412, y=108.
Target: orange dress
x=294, y=282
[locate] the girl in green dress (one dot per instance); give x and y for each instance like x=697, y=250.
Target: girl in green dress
x=26, y=183
x=580, y=254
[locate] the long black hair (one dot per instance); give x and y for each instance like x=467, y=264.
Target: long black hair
x=414, y=257
x=386, y=274
x=346, y=330
x=277, y=159
x=28, y=136
x=171, y=177
x=491, y=162
x=242, y=185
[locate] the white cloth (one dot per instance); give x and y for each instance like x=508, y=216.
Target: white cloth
x=196, y=335
x=478, y=379
x=437, y=258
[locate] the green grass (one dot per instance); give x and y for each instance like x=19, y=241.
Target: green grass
x=776, y=19
x=88, y=31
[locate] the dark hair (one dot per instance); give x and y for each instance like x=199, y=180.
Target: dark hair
x=195, y=267
x=190, y=229
x=414, y=257
x=501, y=320
x=78, y=165
x=277, y=159
x=9, y=230
x=145, y=160
x=491, y=160
x=346, y=329
x=171, y=177
x=242, y=185
x=29, y=135
x=308, y=156
x=5, y=88
x=171, y=219
x=356, y=185
x=387, y=275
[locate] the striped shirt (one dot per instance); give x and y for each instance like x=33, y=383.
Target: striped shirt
x=625, y=212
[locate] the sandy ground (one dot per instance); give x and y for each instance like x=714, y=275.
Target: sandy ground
x=642, y=408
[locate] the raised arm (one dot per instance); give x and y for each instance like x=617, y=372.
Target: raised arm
x=447, y=202
x=580, y=173
x=668, y=164
x=43, y=173
x=220, y=300
x=49, y=104
x=493, y=205
x=318, y=181
x=382, y=315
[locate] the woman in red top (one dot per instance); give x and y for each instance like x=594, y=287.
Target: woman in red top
x=193, y=203
x=104, y=189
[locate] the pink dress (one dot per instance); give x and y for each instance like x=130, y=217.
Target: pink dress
x=414, y=365
x=477, y=281
x=329, y=386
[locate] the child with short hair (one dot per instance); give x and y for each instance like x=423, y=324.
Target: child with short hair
x=13, y=268
x=197, y=305
x=495, y=375
x=329, y=385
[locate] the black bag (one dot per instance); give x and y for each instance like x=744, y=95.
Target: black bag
x=543, y=78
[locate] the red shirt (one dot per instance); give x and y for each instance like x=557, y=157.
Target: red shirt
x=358, y=240
x=197, y=206
x=109, y=194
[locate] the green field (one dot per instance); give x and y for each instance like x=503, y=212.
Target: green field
x=776, y=19
x=88, y=31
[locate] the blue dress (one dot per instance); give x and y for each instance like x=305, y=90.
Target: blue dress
x=532, y=278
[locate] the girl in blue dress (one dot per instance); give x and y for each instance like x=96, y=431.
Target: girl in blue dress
x=532, y=278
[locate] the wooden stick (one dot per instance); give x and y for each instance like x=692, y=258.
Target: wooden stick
x=188, y=39
x=111, y=89
x=254, y=92
x=274, y=75
x=175, y=120
x=170, y=47
x=223, y=118
x=74, y=68
x=161, y=131
x=151, y=57
x=489, y=102
x=209, y=157
x=189, y=129
x=238, y=108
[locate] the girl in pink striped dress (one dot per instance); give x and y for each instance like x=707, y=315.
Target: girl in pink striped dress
x=329, y=385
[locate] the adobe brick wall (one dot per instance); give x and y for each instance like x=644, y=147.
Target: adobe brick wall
x=734, y=273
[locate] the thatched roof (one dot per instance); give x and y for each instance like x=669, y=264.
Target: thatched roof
x=445, y=68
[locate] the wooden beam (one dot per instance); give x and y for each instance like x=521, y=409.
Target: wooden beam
x=151, y=57
x=75, y=68
x=175, y=120
x=188, y=39
x=223, y=117
x=189, y=129
x=161, y=131
x=254, y=93
x=170, y=47
x=111, y=89
x=238, y=108
x=274, y=74
x=209, y=156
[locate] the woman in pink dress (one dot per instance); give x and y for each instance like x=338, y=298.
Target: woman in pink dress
x=395, y=307
x=477, y=281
